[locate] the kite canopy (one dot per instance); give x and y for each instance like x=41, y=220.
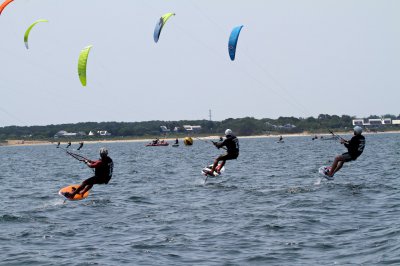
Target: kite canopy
x=4, y=4
x=82, y=61
x=233, y=39
x=160, y=24
x=26, y=36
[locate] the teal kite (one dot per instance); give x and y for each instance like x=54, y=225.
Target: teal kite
x=233, y=39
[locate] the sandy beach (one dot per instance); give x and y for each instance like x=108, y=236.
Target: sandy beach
x=170, y=140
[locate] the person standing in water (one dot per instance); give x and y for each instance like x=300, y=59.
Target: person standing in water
x=355, y=148
x=231, y=143
x=102, y=173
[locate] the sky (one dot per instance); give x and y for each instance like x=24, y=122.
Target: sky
x=295, y=58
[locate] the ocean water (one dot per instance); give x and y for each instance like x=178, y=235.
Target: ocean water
x=270, y=207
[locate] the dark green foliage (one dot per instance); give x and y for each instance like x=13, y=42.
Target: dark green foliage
x=241, y=126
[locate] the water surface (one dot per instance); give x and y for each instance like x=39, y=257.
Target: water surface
x=269, y=208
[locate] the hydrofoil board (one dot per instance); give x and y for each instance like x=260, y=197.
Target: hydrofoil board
x=64, y=192
x=206, y=170
x=324, y=170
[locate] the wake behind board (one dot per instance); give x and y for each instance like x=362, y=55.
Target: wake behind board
x=71, y=189
x=323, y=170
x=205, y=170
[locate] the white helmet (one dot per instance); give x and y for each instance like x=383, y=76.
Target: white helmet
x=357, y=130
x=103, y=152
x=228, y=132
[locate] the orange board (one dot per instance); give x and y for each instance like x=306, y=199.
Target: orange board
x=71, y=189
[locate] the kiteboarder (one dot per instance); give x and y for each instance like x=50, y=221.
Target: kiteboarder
x=68, y=145
x=102, y=173
x=355, y=147
x=80, y=145
x=231, y=143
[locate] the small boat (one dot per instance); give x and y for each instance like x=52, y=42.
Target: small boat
x=175, y=145
x=157, y=144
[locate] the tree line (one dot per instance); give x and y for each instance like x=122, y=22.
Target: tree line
x=246, y=126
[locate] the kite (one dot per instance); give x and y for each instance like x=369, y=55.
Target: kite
x=233, y=39
x=26, y=36
x=160, y=25
x=82, y=61
x=4, y=4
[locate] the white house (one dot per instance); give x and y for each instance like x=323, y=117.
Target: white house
x=164, y=129
x=103, y=133
x=64, y=133
x=192, y=128
x=372, y=122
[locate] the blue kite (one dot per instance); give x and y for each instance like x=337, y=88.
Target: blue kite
x=233, y=39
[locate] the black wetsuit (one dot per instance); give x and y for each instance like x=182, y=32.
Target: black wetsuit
x=232, y=145
x=103, y=171
x=355, y=147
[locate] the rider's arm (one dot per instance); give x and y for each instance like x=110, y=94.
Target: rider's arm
x=344, y=141
x=219, y=144
x=94, y=164
x=348, y=143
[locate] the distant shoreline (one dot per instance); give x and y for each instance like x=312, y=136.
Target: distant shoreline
x=9, y=143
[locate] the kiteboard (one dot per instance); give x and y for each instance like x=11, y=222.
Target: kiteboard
x=70, y=189
x=205, y=171
x=323, y=170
